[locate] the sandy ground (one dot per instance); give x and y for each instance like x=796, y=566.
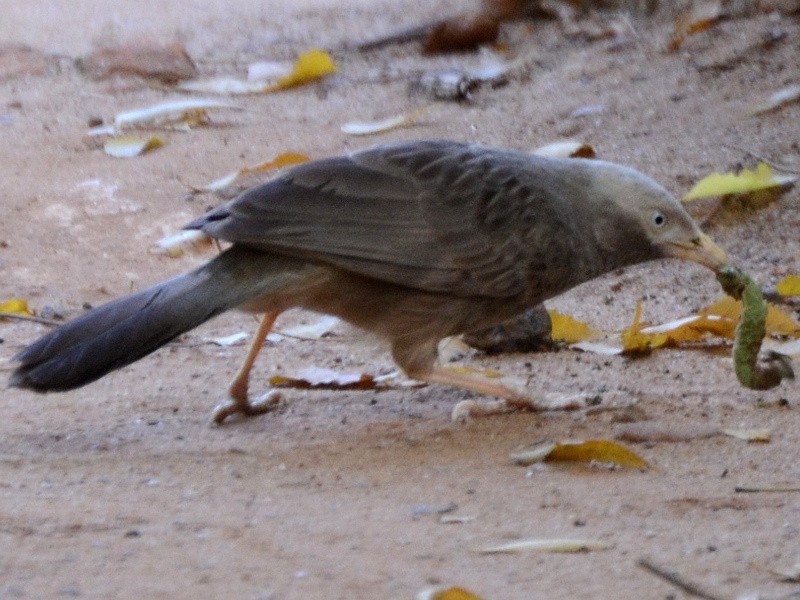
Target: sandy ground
x=123, y=490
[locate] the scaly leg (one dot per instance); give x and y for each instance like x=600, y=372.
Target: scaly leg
x=238, y=402
x=510, y=399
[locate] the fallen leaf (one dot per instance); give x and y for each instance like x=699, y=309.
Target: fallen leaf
x=284, y=159
x=178, y=244
x=588, y=110
x=129, y=146
x=167, y=64
x=635, y=340
x=590, y=451
x=319, y=378
x=604, y=348
x=265, y=70
x=445, y=593
x=370, y=128
x=721, y=184
x=174, y=113
x=761, y=436
x=16, y=306
x=777, y=100
x=789, y=286
x=569, y=330
x=310, y=66
x=547, y=545
x=462, y=32
x=702, y=15
x=230, y=340
x=693, y=328
x=778, y=321
x=225, y=85
x=566, y=149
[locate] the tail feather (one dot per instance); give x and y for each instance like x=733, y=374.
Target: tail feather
x=125, y=330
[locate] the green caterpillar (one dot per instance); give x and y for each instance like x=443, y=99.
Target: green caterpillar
x=750, y=332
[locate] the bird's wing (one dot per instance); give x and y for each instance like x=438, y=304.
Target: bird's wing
x=435, y=216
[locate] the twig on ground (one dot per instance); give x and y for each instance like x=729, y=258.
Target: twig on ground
x=32, y=318
x=676, y=580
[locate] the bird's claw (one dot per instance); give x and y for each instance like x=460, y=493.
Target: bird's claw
x=245, y=407
x=464, y=410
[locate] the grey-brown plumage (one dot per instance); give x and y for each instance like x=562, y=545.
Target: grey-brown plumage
x=413, y=241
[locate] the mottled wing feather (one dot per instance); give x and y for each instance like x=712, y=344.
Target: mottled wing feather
x=436, y=216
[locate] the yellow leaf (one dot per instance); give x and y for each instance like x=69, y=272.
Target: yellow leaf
x=129, y=146
x=310, y=66
x=16, y=306
x=569, y=330
x=778, y=321
x=721, y=184
x=454, y=593
x=789, y=286
x=604, y=451
x=284, y=159
x=635, y=340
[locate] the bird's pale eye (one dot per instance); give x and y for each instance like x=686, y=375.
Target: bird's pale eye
x=659, y=219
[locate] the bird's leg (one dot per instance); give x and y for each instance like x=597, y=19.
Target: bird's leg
x=421, y=365
x=509, y=398
x=239, y=402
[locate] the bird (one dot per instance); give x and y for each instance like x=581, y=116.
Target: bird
x=412, y=241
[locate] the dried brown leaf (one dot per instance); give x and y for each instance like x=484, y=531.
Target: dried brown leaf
x=320, y=378
x=702, y=15
x=463, y=32
x=168, y=64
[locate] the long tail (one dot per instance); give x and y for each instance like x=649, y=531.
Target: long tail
x=125, y=330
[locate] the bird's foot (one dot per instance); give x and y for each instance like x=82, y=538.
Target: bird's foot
x=245, y=407
x=520, y=402
x=466, y=409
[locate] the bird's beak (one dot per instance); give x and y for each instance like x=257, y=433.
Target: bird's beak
x=701, y=249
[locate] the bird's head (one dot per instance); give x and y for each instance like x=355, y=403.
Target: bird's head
x=666, y=226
